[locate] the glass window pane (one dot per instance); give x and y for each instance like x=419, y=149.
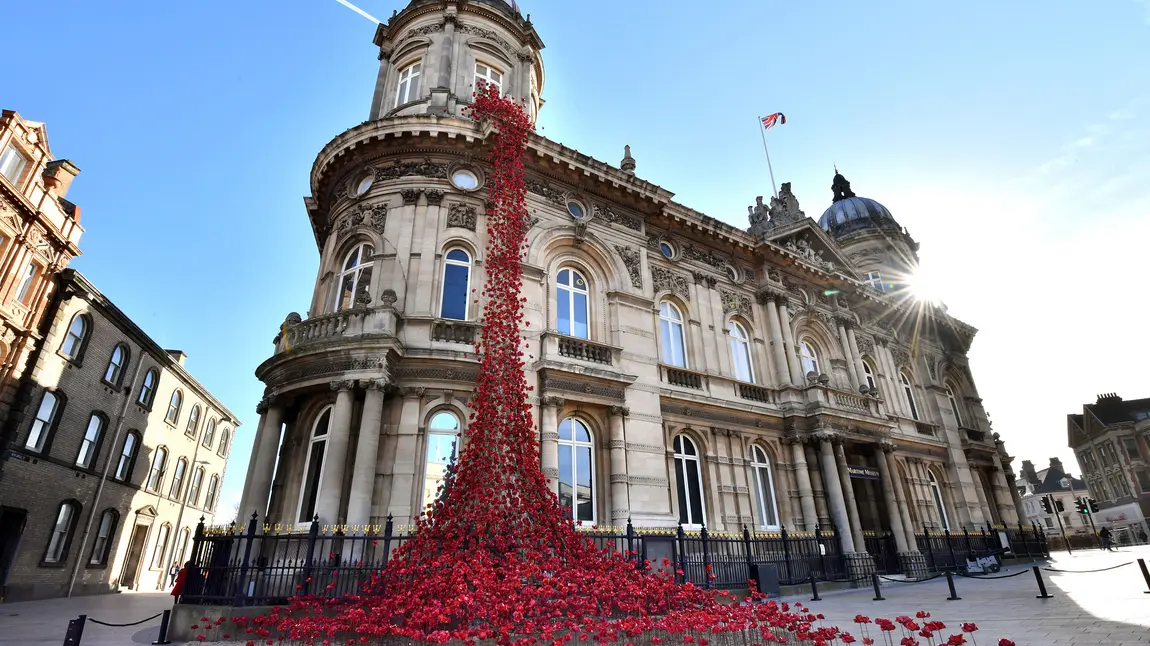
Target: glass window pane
x=585, y=510
x=681, y=473
x=563, y=311
x=581, y=432
x=458, y=254
x=695, y=493
x=311, y=481
x=566, y=477
x=565, y=429
x=580, y=329
x=455, y=294
x=440, y=448
x=444, y=422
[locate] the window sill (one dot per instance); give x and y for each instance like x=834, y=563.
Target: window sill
x=54, y=565
x=96, y=566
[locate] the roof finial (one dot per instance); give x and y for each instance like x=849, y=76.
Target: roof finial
x=628, y=163
x=836, y=169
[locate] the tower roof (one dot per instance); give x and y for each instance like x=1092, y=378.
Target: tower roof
x=849, y=212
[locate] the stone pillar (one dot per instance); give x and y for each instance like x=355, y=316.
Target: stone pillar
x=856, y=355
x=335, y=458
x=835, y=494
x=806, y=494
x=257, y=489
x=1002, y=494
x=891, y=502
x=778, y=345
x=900, y=499
x=849, y=498
x=894, y=397
x=407, y=462
x=620, y=504
x=818, y=488
x=797, y=376
x=549, y=441
x=852, y=370
x=366, y=453
x=984, y=515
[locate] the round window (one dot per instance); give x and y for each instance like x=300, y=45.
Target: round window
x=733, y=274
x=465, y=180
x=667, y=250
x=363, y=185
x=576, y=210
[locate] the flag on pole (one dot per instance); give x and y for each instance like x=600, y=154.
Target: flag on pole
x=770, y=120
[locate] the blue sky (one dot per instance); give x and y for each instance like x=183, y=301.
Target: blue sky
x=1010, y=140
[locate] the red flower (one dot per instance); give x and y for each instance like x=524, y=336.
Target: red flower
x=1005, y=642
x=969, y=628
x=956, y=640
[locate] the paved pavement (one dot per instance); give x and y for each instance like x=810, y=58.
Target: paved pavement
x=1097, y=608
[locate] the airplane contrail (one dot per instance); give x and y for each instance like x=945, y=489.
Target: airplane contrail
x=359, y=11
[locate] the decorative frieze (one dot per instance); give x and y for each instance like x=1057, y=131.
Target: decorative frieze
x=547, y=192
x=670, y=281
x=434, y=196
x=373, y=216
x=439, y=374
x=489, y=35
x=705, y=256
x=631, y=259
x=462, y=216
x=605, y=213
x=704, y=279
x=735, y=302
x=646, y=448
x=425, y=168
x=584, y=387
x=410, y=195
x=901, y=357
x=866, y=345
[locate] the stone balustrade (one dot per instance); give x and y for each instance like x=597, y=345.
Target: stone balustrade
x=584, y=350
x=683, y=378
x=754, y=393
x=337, y=326
x=924, y=428
x=451, y=331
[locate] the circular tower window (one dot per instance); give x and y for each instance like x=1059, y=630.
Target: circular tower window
x=667, y=250
x=464, y=179
x=363, y=185
x=576, y=210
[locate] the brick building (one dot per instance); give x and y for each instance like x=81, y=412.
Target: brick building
x=104, y=403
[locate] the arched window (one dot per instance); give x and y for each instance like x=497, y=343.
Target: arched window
x=104, y=533
x=45, y=422
x=571, y=296
x=809, y=357
x=408, y=88
x=62, y=530
x=765, y=488
x=225, y=443
x=197, y=483
x=313, y=468
x=908, y=390
x=193, y=421
x=868, y=373
x=161, y=548
x=27, y=279
x=209, y=434
x=76, y=336
x=90, y=445
x=213, y=491
x=485, y=74
x=456, y=285
x=174, y=408
x=127, y=456
x=354, y=277
x=936, y=491
x=442, y=437
x=741, y=352
x=182, y=545
x=953, y=404
x=692, y=511
x=577, y=469
x=178, y=479
x=115, y=370
x=674, y=348
x=147, y=389
x=156, y=473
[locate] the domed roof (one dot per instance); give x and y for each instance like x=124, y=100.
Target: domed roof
x=849, y=212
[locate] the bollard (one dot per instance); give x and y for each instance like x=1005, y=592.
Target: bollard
x=75, y=631
x=1145, y=575
x=814, y=589
x=163, y=638
x=877, y=592
x=950, y=584
x=1041, y=585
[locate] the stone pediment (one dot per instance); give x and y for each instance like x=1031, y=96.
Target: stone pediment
x=812, y=246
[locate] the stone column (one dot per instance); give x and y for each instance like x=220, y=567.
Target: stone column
x=889, y=498
x=849, y=497
x=1002, y=494
x=407, y=462
x=335, y=457
x=797, y=376
x=835, y=494
x=900, y=499
x=549, y=441
x=818, y=488
x=894, y=396
x=984, y=515
x=803, y=476
x=257, y=489
x=366, y=453
x=852, y=370
x=620, y=504
x=856, y=355
x=778, y=346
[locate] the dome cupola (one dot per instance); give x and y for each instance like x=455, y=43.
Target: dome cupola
x=849, y=213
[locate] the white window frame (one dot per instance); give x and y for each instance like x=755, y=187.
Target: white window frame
x=362, y=254
x=195, y=486
x=209, y=436
x=569, y=292
x=156, y=471
x=13, y=163
x=330, y=412
x=671, y=327
x=869, y=375
x=436, y=428
x=61, y=533
x=809, y=357
x=575, y=445
x=407, y=83
x=74, y=338
x=741, y=347
x=176, y=489
x=908, y=392
x=174, y=406
x=42, y=425
x=212, y=493
x=29, y=277
x=103, y=541
x=160, y=551
x=193, y=422
x=681, y=457
x=874, y=280
x=127, y=456
x=761, y=463
x=450, y=262
x=485, y=77
x=953, y=403
x=86, y=456
x=148, y=388
x=115, y=367
x=936, y=491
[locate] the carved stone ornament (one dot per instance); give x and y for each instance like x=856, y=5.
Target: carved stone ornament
x=425, y=168
x=434, y=196
x=410, y=195
x=932, y=366
x=801, y=247
x=544, y=190
x=705, y=256
x=341, y=385
x=704, y=279
x=605, y=213
x=735, y=302
x=653, y=241
x=901, y=357
x=866, y=346
x=373, y=216
x=388, y=297
x=462, y=216
x=622, y=411
x=631, y=258
x=489, y=35
x=783, y=210
x=667, y=280
x=425, y=30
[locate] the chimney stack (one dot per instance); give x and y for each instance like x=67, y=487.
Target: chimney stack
x=1028, y=472
x=178, y=355
x=58, y=176
x=1056, y=466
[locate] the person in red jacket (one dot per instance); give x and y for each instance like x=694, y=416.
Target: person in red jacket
x=178, y=588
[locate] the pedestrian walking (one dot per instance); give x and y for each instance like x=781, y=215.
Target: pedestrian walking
x=172, y=572
x=1106, y=538
x=1142, y=538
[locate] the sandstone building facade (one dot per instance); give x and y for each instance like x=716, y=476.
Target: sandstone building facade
x=685, y=371
x=1111, y=439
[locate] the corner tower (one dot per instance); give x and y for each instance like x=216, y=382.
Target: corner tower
x=435, y=53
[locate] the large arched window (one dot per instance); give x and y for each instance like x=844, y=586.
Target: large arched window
x=193, y=421
x=76, y=337
x=213, y=491
x=182, y=545
x=178, y=479
x=741, y=352
x=408, y=88
x=869, y=374
x=936, y=493
x=225, y=443
x=456, y=285
x=354, y=276
x=908, y=390
x=197, y=484
x=161, y=548
x=62, y=530
x=809, y=357
x=147, y=389
x=313, y=468
x=105, y=532
x=174, y=408
x=442, y=438
x=156, y=473
x=673, y=347
x=127, y=456
x=90, y=445
x=764, y=488
x=953, y=404
x=209, y=434
x=571, y=295
x=46, y=417
x=577, y=470
x=116, y=363
x=692, y=511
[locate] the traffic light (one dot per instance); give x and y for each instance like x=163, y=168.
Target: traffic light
x=1046, y=505
x=1093, y=505
x=1080, y=505
x=1058, y=504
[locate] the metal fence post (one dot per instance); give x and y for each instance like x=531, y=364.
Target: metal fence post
x=752, y=572
x=933, y=565
x=388, y=529
x=249, y=538
x=681, y=544
x=786, y=552
x=706, y=558
x=309, y=564
x=969, y=545
x=631, y=553
x=950, y=547
x=1022, y=537
x=822, y=548
x=1043, y=545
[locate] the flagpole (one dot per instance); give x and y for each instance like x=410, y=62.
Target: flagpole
x=763, y=134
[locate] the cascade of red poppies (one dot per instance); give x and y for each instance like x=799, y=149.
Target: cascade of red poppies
x=496, y=557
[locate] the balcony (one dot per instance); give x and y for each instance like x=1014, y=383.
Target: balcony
x=560, y=349
x=335, y=327
x=584, y=350
x=924, y=428
x=842, y=400
x=451, y=331
x=973, y=435
x=682, y=378
x=754, y=393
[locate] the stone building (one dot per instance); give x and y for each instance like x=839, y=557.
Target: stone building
x=684, y=370
x=1060, y=486
x=116, y=456
x=1111, y=439
x=39, y=235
